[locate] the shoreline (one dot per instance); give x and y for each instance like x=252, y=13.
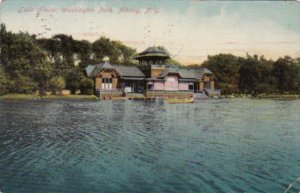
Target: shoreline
x=93, y=97
x=265, y=96
x=48, y=97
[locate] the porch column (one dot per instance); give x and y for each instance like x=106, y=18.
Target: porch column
x=133, y=87
x=98, y=83
x=201, y=86
x=114, y=83
x=212, y=84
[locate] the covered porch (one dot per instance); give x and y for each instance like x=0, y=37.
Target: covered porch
x=132, y=85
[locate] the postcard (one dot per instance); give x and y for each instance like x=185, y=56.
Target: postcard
x=140, y=96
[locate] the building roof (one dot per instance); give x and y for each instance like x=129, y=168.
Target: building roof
x=169, y=70
x=186, y=73
x=131, y=71
x=126, y=71
x=183, y=73
x=134, y=72
x=93, y=70
x=89, y=69
x=199, y=72
x=152, y=52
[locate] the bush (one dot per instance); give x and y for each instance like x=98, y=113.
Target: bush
x=57, y=84
x=86, y=86
x=23, y=85
x=73, y=79
x=228, y=89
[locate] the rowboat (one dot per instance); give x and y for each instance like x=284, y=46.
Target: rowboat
x=179, y=100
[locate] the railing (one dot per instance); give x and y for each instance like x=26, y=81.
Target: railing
x=200, y=95
x=103, y=93
x=213, y=92
x=198, y=91
x=170, y=91
x=110, y=90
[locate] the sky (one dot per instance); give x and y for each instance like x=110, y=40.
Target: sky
x=190, y=29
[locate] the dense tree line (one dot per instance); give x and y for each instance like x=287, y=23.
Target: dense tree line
x=255, y=75
x=29, y=64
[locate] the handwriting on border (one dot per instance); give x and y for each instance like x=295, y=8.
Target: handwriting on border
x=87, y=10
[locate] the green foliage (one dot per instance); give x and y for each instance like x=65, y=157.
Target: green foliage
x=41, y=74
x=227, y=89
x=226, y=69
x=76, y=80
x=122, y=54
x=101, y=48
x=287, y=74
x=83, y=49
x=52, y=46
x=117, y=52
x=23, y=84
x=86, y=86
x=22, y=58
x=255, y=75
x=73, y=79
x=57, y=84
x=3, y=82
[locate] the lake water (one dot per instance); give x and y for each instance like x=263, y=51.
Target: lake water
x=212, y=146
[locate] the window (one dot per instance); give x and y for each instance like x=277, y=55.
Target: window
x=150, y=87
x=106, y=80
x=106, y=83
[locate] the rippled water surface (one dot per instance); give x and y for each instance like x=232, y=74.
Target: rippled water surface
x=213, y=146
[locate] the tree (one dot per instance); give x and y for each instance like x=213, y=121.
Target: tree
x=3, y=81
x=86, y=86
x=117, y=52
x=52, y=46
x=255, y=75
x=226, y=69
x=287, y=74
x=76, y=80
x=22, y=60
x=84, y=50
x=101, y=48
x=122, y=54
x=66, y=53
x=22, y=84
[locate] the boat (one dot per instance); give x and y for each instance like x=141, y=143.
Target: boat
x=179, y=100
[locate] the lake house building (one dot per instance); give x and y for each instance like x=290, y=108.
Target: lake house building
x=152, y=77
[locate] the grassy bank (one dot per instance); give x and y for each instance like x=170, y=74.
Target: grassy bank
x=264, y=96
x=48, y=97
x=72, y=97
x=278, y=96
x=20, y=97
